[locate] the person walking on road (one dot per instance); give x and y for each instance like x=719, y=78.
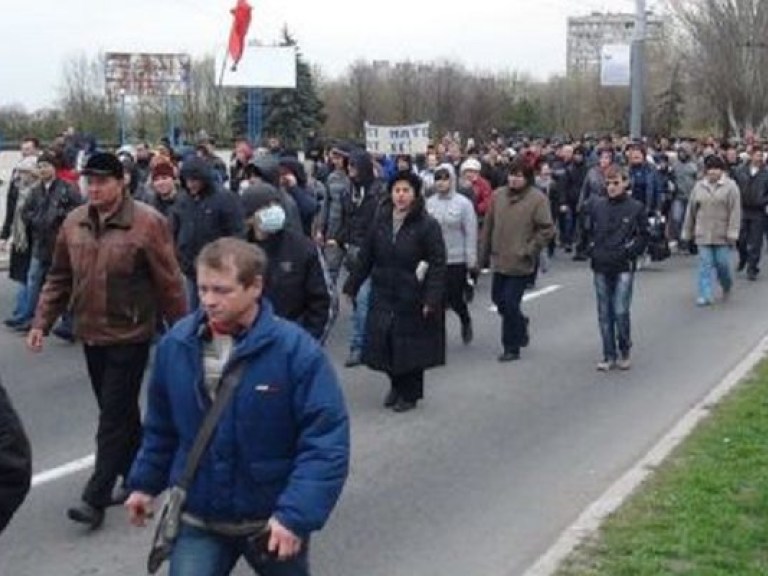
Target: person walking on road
x=752, y=179
x=404, y=255
x=518, y=226
x=113, y=266
x=713, y=219
x=15, y=461
x=279, y=455
x=458, y=222
x=619, y=232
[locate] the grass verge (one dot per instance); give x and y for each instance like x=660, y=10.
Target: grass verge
x=704, y=512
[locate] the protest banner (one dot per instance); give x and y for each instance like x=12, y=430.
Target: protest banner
x=405, y=139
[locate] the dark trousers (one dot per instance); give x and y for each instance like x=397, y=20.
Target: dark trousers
x=456, y=290
x=507, y=294
x=751, y=241
x=116, y=373
x=408, y=386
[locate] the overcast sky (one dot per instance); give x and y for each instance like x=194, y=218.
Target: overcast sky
x=37, y=36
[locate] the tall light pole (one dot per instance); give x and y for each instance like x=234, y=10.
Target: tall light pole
x=638, y=70
x=122, y=117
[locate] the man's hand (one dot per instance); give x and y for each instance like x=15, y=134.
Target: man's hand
x=282, y=542
x=139, y=506
x=35, y=339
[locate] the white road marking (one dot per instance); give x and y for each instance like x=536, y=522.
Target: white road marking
x=528, y=296
x=593, y=516
x=63, y=470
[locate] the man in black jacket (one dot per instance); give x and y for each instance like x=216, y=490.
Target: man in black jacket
x=203, y=213
x=619, y=232
x=752, y=179
x=295, y=283
x=15, y=461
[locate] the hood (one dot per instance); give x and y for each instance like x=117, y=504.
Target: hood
x=295, y=167
x=364, y=165
x=198, y=169
x=448, y=167
x=257, y=196
x=266, y=168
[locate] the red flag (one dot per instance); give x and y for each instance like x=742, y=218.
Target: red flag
x=240, y=25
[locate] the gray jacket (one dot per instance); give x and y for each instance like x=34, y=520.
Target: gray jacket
x=713, y=216
x=458, y=222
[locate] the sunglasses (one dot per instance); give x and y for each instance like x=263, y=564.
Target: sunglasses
x=442, y=176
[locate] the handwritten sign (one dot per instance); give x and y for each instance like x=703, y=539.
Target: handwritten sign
x=406, y=139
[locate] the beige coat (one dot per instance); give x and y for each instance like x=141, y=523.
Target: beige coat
x=714, y=213
x=516, y=228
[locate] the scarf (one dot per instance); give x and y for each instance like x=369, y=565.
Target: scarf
x=19, y=238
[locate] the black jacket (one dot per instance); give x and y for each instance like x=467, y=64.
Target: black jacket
x=15, y=461
x=44, y=213
x=296, y=283
x=214, y=213
x=754, y=189
x=619, y=232
x=399, y=338
x=360, y=205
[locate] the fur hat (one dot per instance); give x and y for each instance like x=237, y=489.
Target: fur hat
x=471, y=164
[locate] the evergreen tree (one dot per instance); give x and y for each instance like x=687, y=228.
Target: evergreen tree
x=292, y=114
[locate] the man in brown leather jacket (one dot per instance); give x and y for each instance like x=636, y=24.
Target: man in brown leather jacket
x=114, y=268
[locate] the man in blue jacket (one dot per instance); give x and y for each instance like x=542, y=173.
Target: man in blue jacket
x=279, y=456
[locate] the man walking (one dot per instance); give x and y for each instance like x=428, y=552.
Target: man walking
x=113, y=265
x=619, y=232
x=752, y=179
x=279, y=456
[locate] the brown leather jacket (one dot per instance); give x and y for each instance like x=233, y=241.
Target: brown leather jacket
x=113, y=276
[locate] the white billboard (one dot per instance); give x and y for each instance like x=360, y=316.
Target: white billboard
x=260, y=67
x=615, y=65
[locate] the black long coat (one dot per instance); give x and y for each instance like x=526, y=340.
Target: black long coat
x=15, y=461
x=19, y=261
x=399, y=338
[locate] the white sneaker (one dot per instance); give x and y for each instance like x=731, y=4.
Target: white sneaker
x=624, y=363
x=605, y=365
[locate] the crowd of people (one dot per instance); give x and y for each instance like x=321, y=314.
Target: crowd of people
x=243, y=266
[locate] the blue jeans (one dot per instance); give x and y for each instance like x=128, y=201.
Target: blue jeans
x=614, y=297
x=507, y=294
x=359, y=316
x=20, y=303
x=718, y=258
x=35, y=279
x=201, y=553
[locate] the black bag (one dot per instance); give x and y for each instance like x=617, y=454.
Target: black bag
x=658, y=246
x=170, y=518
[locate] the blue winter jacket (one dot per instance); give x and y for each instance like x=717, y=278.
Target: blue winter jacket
x=281, y=447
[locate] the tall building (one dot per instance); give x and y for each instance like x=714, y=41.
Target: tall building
x=588, y=34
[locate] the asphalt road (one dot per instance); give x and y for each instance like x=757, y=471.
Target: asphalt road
x=478, y=481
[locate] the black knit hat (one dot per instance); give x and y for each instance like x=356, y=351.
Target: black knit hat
x=407, y=176
x=103, y=164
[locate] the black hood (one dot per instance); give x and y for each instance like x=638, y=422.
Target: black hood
x=364, y=165
x=266, y=168
x=198, y=169
x=296, y=168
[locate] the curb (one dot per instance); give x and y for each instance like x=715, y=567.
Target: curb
x=592, y=517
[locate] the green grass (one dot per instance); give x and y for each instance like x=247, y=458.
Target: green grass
x=704, y=512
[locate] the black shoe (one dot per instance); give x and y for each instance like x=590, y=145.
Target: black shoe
x=84, y=513
x=509, y=356
x=65, y=335
x=467, y=334
x=580, y=257
x=403, y=405
x=741, y=266
x=526, y=339
x=355, y=358
x=24, y=327
x=751, y=275
x=391, y=399
x=11, y=322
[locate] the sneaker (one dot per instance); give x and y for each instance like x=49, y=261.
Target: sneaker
x=467, y=334
x=11, y=322
x=605, y=365
x=703, y=302
x=355, y=358
x=624, y=363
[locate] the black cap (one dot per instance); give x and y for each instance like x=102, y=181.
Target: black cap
x=714, y=161
x=103, y=164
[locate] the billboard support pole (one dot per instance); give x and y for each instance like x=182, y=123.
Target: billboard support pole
x=255, y=107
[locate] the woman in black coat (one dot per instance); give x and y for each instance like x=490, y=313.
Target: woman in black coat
x=15, y=461
x=404, y=254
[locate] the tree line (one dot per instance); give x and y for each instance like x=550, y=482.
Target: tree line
x=706, y=75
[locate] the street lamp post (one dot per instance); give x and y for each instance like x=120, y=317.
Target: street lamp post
x=122, y=116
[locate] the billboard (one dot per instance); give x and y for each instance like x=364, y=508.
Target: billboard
x=615, y=65
x=145, y=74
x=260, y=67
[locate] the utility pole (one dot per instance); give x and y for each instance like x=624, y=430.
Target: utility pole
x=638, y=70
